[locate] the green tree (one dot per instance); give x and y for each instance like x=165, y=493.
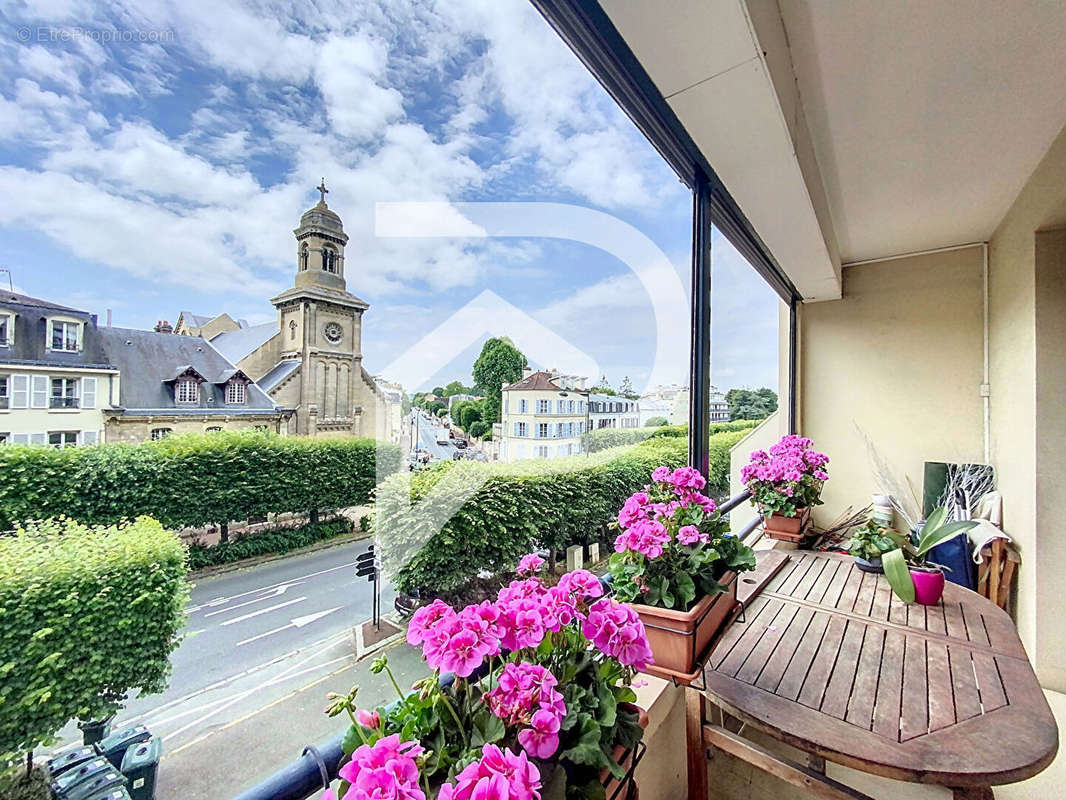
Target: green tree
x=456, y=387
x=479, y=429
x=469, y=414
x=500, y=362
x=440, y=412
x=626, y=389
x=405, y=404
x=439, y=391
x=655, y=422
x=751, y=403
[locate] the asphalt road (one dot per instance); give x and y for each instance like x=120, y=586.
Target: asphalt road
x=251, y=637
x=427, y=436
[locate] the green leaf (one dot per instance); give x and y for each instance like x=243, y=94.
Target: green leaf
x=487, y=729
x=943, y=534
x=686, y=588
x=898, y=574
x=935, y=519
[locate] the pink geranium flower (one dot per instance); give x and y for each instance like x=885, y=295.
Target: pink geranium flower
x=541, y=739
x=529, y=564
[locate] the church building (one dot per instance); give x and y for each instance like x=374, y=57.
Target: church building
x=310, y=359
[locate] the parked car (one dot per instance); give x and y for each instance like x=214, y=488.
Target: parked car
x=460, y=443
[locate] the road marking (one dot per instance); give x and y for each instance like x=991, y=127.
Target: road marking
x=296, y=622
x=273, y=593
x=251, y=714
x=220, y=600
x=264, y=611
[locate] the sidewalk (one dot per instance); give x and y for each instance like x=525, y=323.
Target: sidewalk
x=228, y=757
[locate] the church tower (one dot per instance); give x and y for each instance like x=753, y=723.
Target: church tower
x=320, y=326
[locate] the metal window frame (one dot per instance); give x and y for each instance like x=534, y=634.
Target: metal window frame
x=589, y=32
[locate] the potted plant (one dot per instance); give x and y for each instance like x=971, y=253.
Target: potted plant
x=784, y=483
x=538, y=694
x=910, y=575
x=868, y=544
x=676, y=565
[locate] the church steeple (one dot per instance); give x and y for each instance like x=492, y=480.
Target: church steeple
x=320, y=242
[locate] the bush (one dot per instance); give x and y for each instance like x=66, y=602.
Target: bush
x=479, y=429
x=192, y=479
x=606, y=438
x=86, y=615
x=655, y=422
x=279, y=540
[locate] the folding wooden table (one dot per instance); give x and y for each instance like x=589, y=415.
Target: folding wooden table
x=828, y=660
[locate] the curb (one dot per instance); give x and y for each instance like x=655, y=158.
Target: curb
x=255, y=561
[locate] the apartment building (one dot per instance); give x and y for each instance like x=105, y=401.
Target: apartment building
x=55, y=376
x=543, y=416
x=610, y=411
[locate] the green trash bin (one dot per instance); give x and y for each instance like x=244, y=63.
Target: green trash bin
x=112, y=794
x=114, y=747
x=101, y=783
x=139, y=765
x=54, y=767
x=79, y=774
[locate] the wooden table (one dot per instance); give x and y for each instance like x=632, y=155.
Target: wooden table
x=828, y=660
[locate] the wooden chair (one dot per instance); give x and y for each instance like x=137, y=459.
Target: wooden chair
x=995, y=573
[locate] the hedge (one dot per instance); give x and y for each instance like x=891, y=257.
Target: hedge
x=605, y=438
x=86, y=615
x=278, y=540
x=192, y=479
x=483, y=517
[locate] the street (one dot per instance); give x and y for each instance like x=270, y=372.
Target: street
x=262, y=648
x=425, y=435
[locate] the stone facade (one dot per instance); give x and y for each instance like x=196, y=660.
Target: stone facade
x=311, y=360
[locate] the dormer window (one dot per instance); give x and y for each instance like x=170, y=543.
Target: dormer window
x=187, y=391
x=236, y=393
x=65, y=336
x=7, y=330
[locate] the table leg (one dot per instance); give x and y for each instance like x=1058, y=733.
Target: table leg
x=972, y=793
x=695, y=705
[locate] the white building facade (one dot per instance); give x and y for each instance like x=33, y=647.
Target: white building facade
x=543, y=415
x=610, y=411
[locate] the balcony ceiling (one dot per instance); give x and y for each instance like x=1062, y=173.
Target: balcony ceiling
x=862, y=129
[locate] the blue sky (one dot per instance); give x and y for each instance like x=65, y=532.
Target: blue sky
x=164, y=170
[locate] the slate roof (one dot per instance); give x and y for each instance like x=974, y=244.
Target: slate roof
x=278, y=373
x=30, y=333
x=147, y=360
x=540, y=381
x=239, y=344
x=194, y=320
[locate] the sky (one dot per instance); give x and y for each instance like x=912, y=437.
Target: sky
x=155, y=158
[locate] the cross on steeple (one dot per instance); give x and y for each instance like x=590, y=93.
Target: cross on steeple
x=323, y=190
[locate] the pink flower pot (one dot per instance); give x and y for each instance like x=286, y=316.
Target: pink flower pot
x=928, y=586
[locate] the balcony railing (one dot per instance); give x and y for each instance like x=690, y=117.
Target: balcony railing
x=64, y=402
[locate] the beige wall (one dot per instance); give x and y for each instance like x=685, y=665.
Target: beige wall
x=900, y=357
x=139, y=429
x=1026, y=348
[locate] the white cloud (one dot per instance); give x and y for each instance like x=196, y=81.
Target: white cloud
x=348, y=74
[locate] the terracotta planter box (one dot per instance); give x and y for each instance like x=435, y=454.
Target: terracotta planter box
x=679, y=638
x=788, y=529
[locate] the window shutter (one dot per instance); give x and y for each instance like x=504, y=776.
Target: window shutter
x=39, y=392
x=20, y=392
x=38, y=438
x=516, y=429
x=88, y=437
x=20, y=438
x=88, y=393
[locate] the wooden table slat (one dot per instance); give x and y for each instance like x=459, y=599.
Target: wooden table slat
x=975, y=626
x=955, y=622
x=838, y=689
x=753, y=666
x=804, y=564
x=796, y=672
x=754, y=631
x=822, y=666
x=964, y=684
x=889, y=688
x=860, y=710
x=938, y=686
x=989, y=684
x=785, y=650
x=732, y=635
x=851, y=590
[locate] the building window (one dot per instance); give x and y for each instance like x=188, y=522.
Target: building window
x=521, y=429
x=66, y=336
x=544, y=406
x=64, y=393
x=303, y=256
x=161, y=433
x=542, y=430
x=214, y=429
x=187, y=391
x=329, y=259
x=5, y=398
x=63, y=438
x=523, y=406
x=7, y=328
x=540, y=451
x=89, y=437
x=292, y=330
x=235, y=393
